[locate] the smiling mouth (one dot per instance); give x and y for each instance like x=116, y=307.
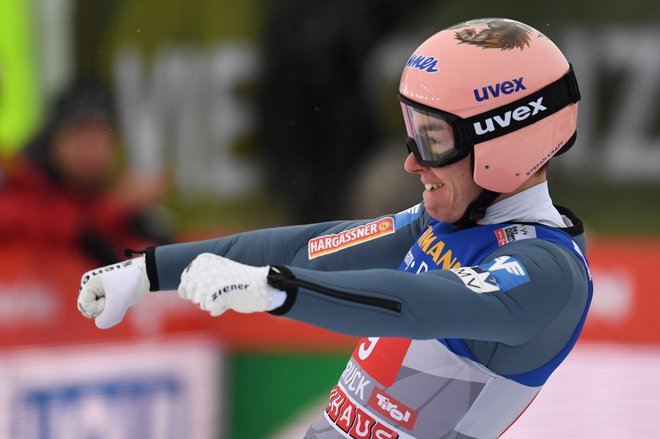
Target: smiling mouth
x=432, y=186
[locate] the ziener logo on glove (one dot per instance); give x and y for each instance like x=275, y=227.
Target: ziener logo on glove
x=229, y=288
x=90, y=274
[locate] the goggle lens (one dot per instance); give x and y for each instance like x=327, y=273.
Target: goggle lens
x=430, y=137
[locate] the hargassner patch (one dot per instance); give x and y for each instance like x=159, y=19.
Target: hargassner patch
x=326, y=244
x=515, y=232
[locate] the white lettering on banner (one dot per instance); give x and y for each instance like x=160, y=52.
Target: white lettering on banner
x=181, y=107
x=28, y=303
x=58, y=392
x=614, y=298
x=624, y=144
x=184, y=100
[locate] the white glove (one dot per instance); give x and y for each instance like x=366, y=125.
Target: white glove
x=106, y=293
x=217, y=284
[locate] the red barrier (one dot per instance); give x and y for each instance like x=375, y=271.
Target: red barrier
x=626, y=291
x=38, y=305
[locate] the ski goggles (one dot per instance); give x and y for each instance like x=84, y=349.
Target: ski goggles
x=437, y=138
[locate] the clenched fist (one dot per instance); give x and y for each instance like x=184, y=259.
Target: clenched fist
x=106, y=293
x=217, y=284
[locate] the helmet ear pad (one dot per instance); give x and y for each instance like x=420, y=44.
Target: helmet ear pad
x=504, y=163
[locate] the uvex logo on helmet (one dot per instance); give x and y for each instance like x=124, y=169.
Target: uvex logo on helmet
x=506, y=87
x=505, y=120
x=422, y=62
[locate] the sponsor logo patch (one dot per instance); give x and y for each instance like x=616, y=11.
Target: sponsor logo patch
x=437, y=250
x=422, y=62
x=519, y=114
x=477, y=279
x=324, y=245
x=500, y=274
x=509, y=272
x=506, y=88
x=354, y=421
x=392, y=409
x=515, y=232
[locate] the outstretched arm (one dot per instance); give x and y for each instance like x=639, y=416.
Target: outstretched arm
x=338, y=245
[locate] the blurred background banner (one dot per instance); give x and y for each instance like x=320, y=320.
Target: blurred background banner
x=228, y=116
x=70, y=392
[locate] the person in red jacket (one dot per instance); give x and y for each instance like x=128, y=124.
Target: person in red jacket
x=63, y=193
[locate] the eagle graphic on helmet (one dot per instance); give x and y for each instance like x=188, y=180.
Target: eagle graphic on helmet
x=499, y=34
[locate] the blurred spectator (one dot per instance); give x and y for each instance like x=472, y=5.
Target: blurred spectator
x=63, y=194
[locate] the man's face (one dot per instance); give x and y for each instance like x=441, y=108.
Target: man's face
x=449, y=189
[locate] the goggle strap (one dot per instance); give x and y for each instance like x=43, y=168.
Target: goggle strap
x=520, y=113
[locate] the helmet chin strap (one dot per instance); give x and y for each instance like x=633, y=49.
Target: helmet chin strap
x=476, y=210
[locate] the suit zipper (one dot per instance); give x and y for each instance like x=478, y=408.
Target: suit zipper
x=288, y=283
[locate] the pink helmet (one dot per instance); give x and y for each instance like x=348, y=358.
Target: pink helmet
x=494, y=86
